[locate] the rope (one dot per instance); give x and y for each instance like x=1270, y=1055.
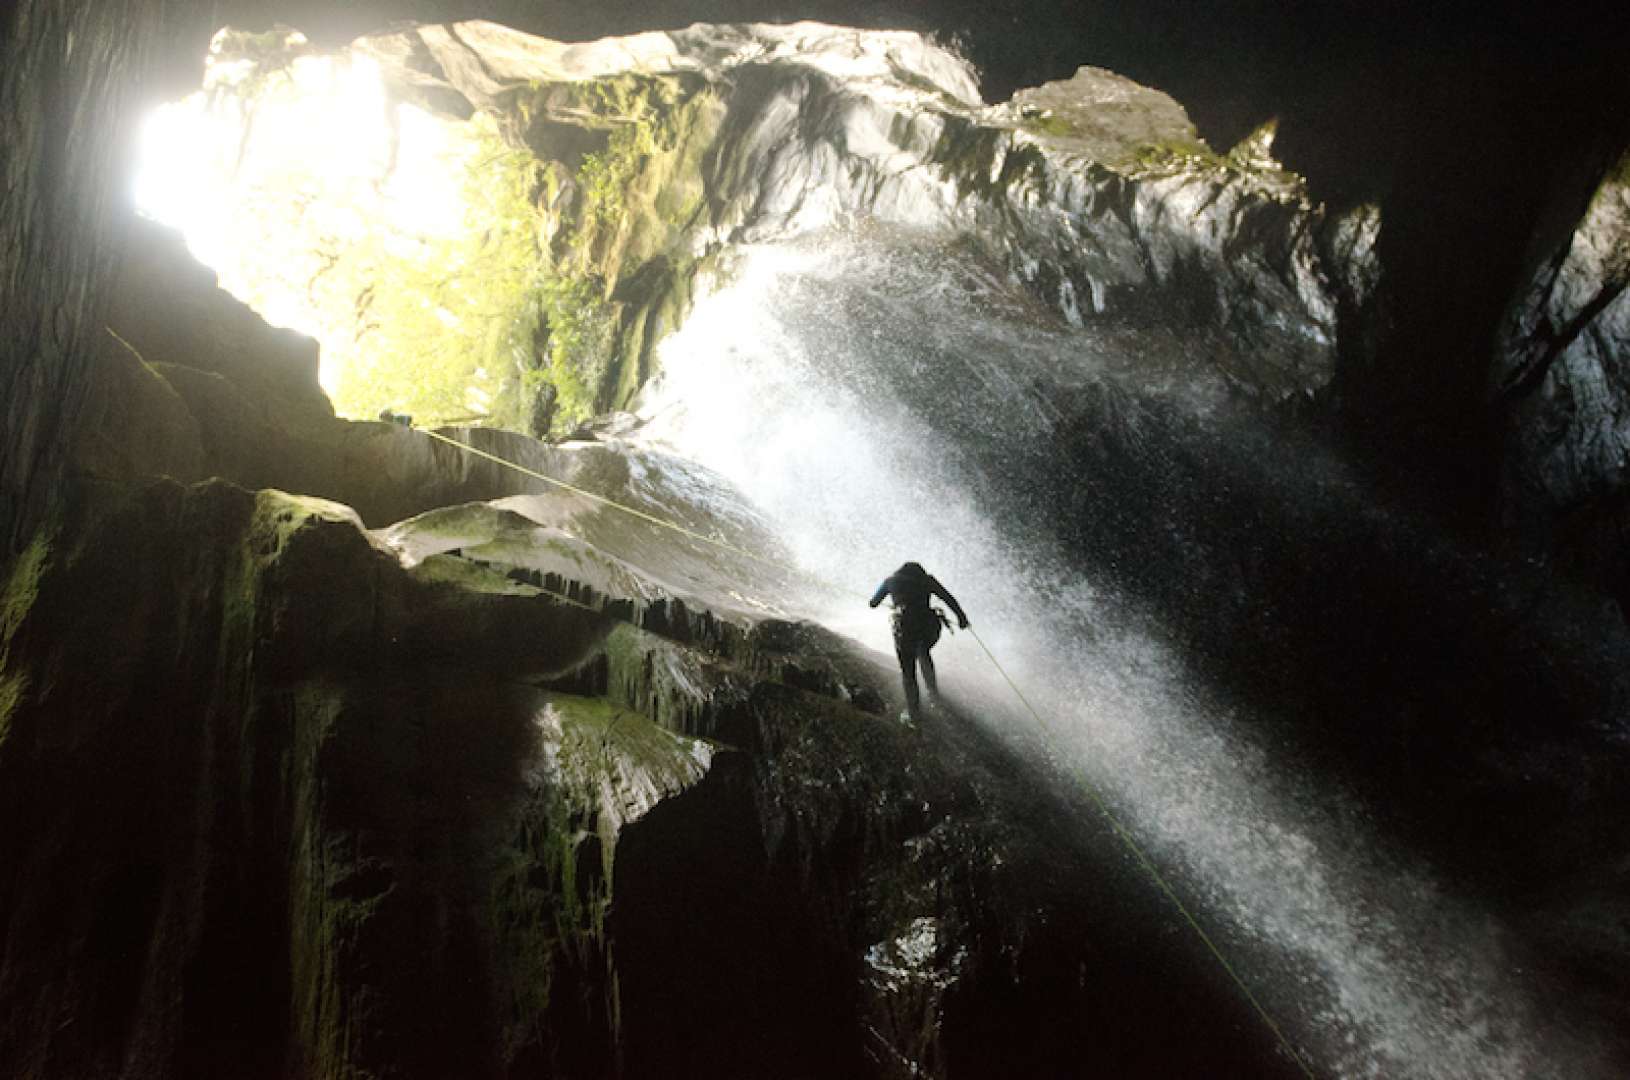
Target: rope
x=601, y=499
x=115, y=335
x=1120, y=830
x=1143, y=860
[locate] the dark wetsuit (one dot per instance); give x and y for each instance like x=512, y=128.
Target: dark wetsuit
x=916, y=626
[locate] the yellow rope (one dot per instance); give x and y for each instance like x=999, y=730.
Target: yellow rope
x=642, y=515
x=1116, y=827
x=115, y=334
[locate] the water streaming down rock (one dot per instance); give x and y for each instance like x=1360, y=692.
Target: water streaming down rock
x=883, y=396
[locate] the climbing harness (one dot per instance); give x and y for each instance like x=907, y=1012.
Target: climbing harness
x=1121, y=832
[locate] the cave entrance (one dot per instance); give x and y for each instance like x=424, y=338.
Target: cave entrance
x=407, y=241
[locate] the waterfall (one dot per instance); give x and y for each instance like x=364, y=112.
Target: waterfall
x=882, y=396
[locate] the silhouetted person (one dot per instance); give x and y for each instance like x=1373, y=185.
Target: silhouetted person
x=916, y=625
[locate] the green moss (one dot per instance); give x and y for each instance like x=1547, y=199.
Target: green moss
x=1174, y=156
x=924, y=85
x=13, y=688
x=553, y=885
x=448, y=326
x=21, y=593
x=1047, y=122
x=452, y=570
x=279, y=515
x=602, y=737
x=23, y=586
x=1250, y=159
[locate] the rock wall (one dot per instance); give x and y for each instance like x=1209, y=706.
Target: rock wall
x=223, y=840
x=70, y=78
x=651, y=158
x=272, y=803
x=1565, y=350
x=275, y=805
x=484, y=793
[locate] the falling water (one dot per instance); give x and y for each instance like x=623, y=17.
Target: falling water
x=858, y=388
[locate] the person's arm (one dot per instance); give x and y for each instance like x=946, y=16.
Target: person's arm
x=944, y=594
x=882, y=591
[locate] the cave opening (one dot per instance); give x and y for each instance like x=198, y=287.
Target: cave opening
x=566, y=302
x=405, y=239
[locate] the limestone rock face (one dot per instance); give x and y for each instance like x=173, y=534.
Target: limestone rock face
x=71, y=80
x=283, y=797
x=656, y=155
x=1566, y=350
x=371, y=757
x=1562, y=357
x=252, y=804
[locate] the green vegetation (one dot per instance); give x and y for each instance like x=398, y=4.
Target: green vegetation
x=1251, y=158
x=925, y=85
x=542, y=310
x=1046, y=122
x=469, y=576
x=622, y=267
x=602, y=738
x=448, y=324
x=12, y=689
x=552, y=891
x=580, y=336
x=23, y=586
x=21, y=591
x=1174, y=156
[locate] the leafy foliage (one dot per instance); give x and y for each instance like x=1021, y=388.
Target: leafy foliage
x=447, y=324
x=511, y=322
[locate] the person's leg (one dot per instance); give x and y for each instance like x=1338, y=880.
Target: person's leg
x=927, y=661
x=906, y=651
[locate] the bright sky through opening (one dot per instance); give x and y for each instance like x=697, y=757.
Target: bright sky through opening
x=271, y=169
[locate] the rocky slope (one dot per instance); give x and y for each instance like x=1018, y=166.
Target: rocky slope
x=283, y=797
x=515, y=785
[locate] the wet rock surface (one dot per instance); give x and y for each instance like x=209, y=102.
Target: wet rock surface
x=655, y=155
x=1564, y=349
x=508, y=785
x=243, y=759
x=279, y=804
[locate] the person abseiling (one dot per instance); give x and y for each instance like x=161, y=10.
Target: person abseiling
x=916, y=625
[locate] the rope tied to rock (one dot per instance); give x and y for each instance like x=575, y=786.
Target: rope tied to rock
x=651, y=519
